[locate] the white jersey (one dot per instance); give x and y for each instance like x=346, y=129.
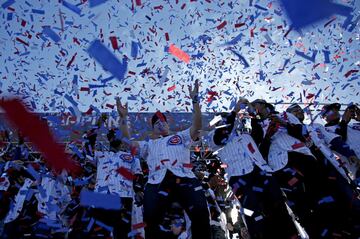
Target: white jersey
x=4, y=182
x=353, y=136
x=109, y=178
x=52, y=197
x=282, y=143
x=239, y=154
x=322, y=139
x=168, y=153
x=17, y=206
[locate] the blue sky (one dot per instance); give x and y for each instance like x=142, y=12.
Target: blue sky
x=250, y=56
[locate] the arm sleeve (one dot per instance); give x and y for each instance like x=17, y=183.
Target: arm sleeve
x=338, y=145
x=264, y=147
x=296, y=131
x=342, y=130
x=143, y=149
x=257, y=132
x=262, y=142
x=222, y=134
x=136, y=167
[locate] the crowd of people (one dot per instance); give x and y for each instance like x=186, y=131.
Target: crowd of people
x=249, y=173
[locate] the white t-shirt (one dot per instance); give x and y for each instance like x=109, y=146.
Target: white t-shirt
x=168, y=153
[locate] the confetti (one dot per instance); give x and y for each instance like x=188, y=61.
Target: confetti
x=100, y=200
x=71, y=7
x=181, y=55
x=50, y=33
x=109, y=62
x=305, y=12
x=94, y=3
x=39, y=134
x=7, y=4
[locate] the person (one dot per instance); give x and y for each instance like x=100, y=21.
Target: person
x=119, y=173
x=297, y=170
x=340, y=125
x=321, y=143
x=250, y=177
x=170, y=175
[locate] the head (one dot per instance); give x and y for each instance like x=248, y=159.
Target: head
x=114, y=139
x=159, y=124
x=331, y=112
x=263, y=108
x=296, y=110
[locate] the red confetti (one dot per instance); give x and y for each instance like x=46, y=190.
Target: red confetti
x=39, y=134
x=138, y=2
x=125, y=173
x=110, y=106
x=350, y=72
x=85, y=89
x=138, y=225
x=293, y=181
x=222, y=25
x=251, y=148
x=188, y=165
x=71, y=60
x=22, y=41
x=237, y=25
x=298, y=145
x=171, y=88
x=114, y=43
x=179, y=53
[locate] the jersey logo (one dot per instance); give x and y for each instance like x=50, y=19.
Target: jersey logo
x=127, y=157
x=175, y=140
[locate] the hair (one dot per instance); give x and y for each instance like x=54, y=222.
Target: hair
x=111, y=136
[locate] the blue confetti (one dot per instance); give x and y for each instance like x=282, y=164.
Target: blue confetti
x=72, y=7
x=7, y=4
x=42, y=12
x=134, y=49
x=100, y=200
x=94, y=3
x=50, y=33
x=305, y=12
x=109, y=62
x=302, y=54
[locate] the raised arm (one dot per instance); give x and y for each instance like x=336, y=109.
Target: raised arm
x=123, y=123
x=197, y=118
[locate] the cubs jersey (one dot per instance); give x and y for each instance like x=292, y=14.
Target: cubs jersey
x=353, y=136
x=168, y=153
x=240, y=154
x=110, y=177
x=282, y=143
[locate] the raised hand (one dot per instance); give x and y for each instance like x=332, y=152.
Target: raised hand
x=241, y=104
x=194, y=92
x=121, y=109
